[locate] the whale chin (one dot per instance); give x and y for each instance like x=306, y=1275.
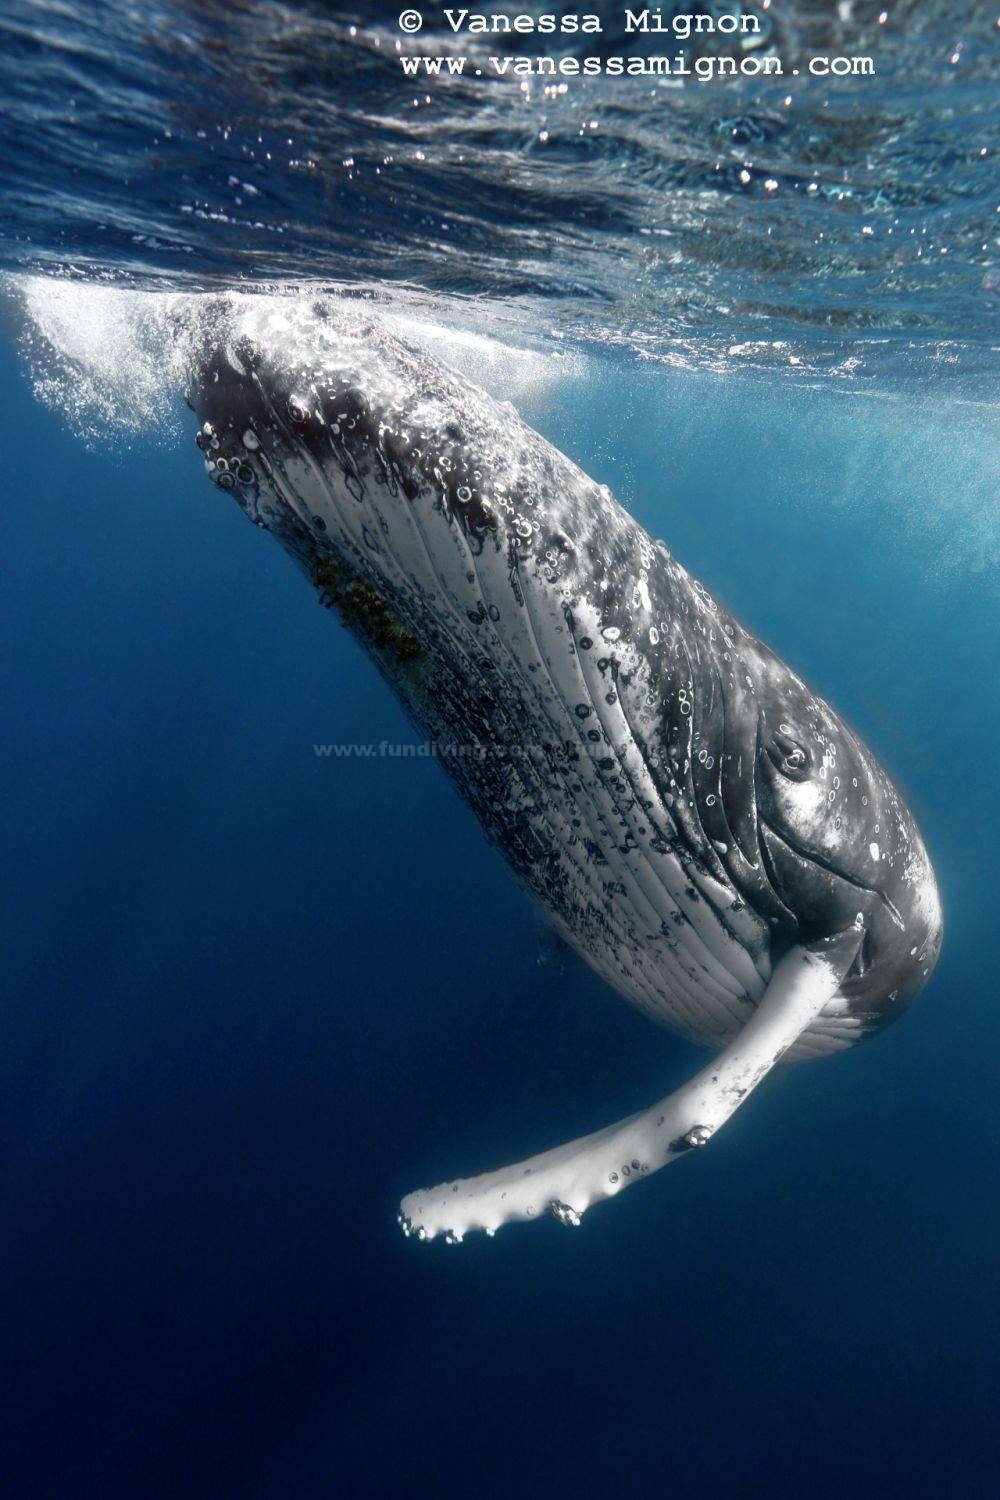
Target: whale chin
x=696, y=822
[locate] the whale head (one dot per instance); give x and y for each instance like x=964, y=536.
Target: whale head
x=840, y=844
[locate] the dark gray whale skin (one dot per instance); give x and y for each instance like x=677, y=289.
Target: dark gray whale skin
x=683, y=805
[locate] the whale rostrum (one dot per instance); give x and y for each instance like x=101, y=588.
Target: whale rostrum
x=696, y=822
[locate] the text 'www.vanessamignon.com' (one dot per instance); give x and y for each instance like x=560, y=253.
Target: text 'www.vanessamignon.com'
x=744, y=35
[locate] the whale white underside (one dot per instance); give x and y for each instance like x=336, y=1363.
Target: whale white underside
x=661, y=932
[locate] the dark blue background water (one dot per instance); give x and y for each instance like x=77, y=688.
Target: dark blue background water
x=253, y=997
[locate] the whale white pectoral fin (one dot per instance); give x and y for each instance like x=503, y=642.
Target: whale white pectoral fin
x=569, y=1179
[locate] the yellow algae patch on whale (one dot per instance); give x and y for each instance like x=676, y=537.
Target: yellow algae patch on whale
x=363, y=610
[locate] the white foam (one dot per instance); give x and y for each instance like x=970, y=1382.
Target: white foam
x=109, y=359
x=504, y=369
x=113, y=360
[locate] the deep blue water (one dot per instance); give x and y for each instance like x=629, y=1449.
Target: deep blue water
x=252, y=996
x=255, y=997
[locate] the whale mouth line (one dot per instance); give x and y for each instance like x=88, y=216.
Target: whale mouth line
x=740, y=843
x=800, y=849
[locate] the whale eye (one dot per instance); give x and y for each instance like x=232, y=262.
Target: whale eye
x=788, y=754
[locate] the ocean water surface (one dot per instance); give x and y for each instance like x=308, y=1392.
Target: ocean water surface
x=254, y=994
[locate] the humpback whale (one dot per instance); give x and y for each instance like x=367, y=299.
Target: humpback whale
x=694, y=819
